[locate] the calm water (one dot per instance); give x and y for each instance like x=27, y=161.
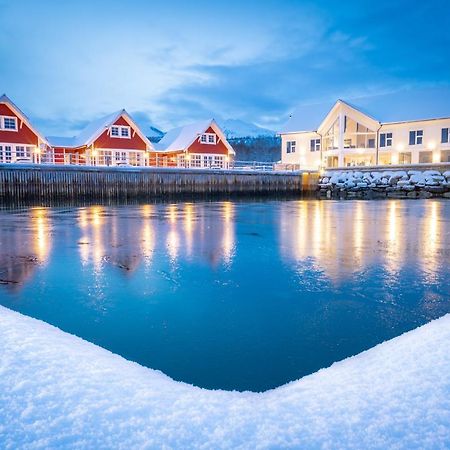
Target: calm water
x=233, y=295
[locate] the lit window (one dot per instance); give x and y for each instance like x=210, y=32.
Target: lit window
x=386, y=140
x=290, y=147
x=445, y=135
x=9, y=123
x=315, y=145
x=416, y=137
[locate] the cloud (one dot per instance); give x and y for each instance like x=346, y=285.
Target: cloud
x=73, y=61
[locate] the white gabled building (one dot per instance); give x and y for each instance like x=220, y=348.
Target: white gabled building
x=348, y=136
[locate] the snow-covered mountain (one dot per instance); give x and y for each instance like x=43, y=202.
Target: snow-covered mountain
x=234, y=128
x=154, y=134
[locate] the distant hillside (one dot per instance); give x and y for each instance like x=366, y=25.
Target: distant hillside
x=264, y=148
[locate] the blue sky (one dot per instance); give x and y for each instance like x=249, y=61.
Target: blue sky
x=173, y=62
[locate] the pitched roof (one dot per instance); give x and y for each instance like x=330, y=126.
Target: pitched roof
x=182, y=137
x=5, y=99
x=402, y=106
x=93, y=130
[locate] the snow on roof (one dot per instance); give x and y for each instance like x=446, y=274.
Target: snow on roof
x=182, y=137
x=88, y=134
x=59, y=390
x=403, y=106
x=5, y=99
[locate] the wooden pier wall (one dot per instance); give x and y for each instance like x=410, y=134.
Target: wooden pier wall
x=45, y=182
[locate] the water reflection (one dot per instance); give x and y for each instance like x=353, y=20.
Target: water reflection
x=230, y=295
x=341, y=238
x=337, y=238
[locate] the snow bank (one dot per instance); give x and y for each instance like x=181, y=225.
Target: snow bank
x=57, y=390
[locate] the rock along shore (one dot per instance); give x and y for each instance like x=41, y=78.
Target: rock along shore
x=385, y=183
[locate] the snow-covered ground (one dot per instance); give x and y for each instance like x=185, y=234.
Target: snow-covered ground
x=58, y=391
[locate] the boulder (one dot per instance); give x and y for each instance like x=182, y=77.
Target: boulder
x=431, y=172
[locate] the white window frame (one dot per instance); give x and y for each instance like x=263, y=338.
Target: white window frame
x=119, y=129
x=205, y=138
x=418, y=136
x=2, y=123
x=387, y=140
x=291, y=145
x=316, y=145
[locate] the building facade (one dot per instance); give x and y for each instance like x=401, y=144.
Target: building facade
x=198, y=145
x=20, y=142
x=113, y=140
x=349, y=137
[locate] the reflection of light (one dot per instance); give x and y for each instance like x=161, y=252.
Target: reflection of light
x=40, y=220
x=173, y=244
x=188, y=225
x=317, y=228
x=148, y=233
x=228, y=232
x=83, y=218
x=97, y=218
x=172, y=214
x=358, y=230
x=92, y=219
x=431, y=240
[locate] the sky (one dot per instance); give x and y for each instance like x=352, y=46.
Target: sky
x=169, y=63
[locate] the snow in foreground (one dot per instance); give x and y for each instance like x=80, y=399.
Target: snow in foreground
x=57, y=390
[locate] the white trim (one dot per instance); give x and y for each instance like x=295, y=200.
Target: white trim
x=120, y=129
x=28, y=152
x=210, y=138
x=2, y=123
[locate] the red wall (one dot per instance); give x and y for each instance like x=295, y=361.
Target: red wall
x=24, y=135
x=218, y=149
x=134, y=143
x=60, y=151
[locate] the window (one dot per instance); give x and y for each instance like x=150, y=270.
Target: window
x=8, y=123
x=20, y=151
x=445, y=135
x=315, y=145
x=425, y=157
x=290, y=147
x=386, y=140
x=416, y=137
x=208, y=138
x=404, y=158
x=120, y=131
x=195, y=161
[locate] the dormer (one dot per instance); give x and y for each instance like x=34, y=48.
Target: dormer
x=8, y=123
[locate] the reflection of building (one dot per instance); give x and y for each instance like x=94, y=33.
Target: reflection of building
x=23, y=249
x=346, y=136
x=341, y=238
x=189, y=232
